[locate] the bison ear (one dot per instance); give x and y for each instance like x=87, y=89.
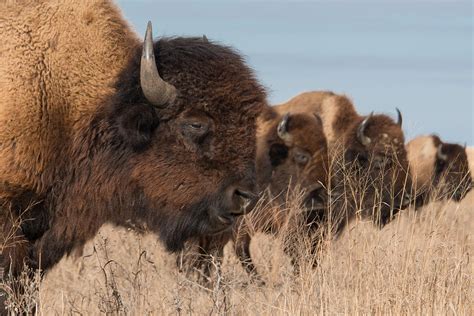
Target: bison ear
x=278, y=153
x=137, y=124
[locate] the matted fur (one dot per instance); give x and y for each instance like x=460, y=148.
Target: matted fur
x=375, y=192
x=280, y=176
x=81, y=146
x=433, y=177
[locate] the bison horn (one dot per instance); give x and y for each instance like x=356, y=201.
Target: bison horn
x=282, y=129
x=155, y=89
x=364, y=140
x=440, y=154
x=400, y=118
x=318, y=118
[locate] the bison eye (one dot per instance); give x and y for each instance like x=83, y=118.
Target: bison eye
x=301, y=157
x=196, y=125
x=195, y=131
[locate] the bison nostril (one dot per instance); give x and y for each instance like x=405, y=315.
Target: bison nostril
x=407, y=200
x=245, y=200
x=316, y=199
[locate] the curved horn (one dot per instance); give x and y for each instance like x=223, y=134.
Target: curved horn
x=204, y=38
x=364, y=140
x=440, y=154
x=155, y=89
x=400, y=118
x=282, y=129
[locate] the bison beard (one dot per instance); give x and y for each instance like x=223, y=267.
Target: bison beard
x=175, y=231
x=122, y=160
x=292, y=159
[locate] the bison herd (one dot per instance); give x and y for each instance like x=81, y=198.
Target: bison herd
x=176, y=137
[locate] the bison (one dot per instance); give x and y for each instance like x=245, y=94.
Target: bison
x=439, y=170
x=292, y=159
x=470, y=158
x=369, y=166
x=97, y=126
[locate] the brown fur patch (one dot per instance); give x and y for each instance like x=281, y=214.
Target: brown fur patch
x=341, y=122
x=280, y=174
x=435, y=177
x=77, y=134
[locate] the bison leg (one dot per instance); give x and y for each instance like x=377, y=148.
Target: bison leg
x=211, y=254
x=295, y=256
x=14, y=258
x=242, y=249
x=192, y=260
x=211, y=263
x=206, y=259
x=49, y=249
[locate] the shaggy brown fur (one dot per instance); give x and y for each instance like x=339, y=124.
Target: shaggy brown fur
x=372, y=178
x=433, y=177
x=284, y=167
x=81, y=146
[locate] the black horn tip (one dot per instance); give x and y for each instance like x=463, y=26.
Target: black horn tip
x=149, y=31
x=148, y=42
x=400, y=118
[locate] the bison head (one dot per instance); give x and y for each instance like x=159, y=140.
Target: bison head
x=297, y=150
x=451, y=171
x=181, y=138
x=379, y=167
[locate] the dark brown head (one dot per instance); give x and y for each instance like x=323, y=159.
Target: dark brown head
x=297, y=150
x=375, y=150
x=452, y=178
x=182, y=137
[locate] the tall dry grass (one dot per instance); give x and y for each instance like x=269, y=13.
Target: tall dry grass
x=418, y=264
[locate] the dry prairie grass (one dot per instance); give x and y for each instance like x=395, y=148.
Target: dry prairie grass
x=418, y=264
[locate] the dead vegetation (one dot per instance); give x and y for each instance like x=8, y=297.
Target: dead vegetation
x=418, y=264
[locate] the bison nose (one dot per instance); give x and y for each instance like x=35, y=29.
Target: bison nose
x=407, y=200
x=317, y=198
x=243, y=201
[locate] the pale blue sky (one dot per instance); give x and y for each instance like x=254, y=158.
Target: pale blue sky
x=416, y=55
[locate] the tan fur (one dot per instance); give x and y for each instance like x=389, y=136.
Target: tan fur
x=278, y=182
x=421, y=157
x=385, y=150
x=58, y=58
x=80, y=145
x=436, y=178
x=329, y=106
x=470, y=157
